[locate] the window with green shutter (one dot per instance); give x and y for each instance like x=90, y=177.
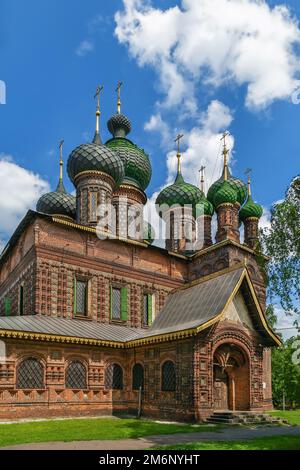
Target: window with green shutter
x=147, y=309
x=7, y=307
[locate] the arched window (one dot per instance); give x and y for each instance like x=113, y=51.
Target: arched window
x=137, y=377
x=30, y=374
x=76, y=376
x=168, y=379
x=114, y=377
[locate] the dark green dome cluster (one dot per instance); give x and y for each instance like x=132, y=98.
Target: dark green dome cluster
x=250, y=209
x=236, y=184
x=58, y=202
x=95, y=157
x=137, y=165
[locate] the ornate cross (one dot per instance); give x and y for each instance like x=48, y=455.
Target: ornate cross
x=177, y=140
x=201, y=171
x=97, y=95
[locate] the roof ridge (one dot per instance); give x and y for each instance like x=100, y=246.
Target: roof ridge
x=214, y=275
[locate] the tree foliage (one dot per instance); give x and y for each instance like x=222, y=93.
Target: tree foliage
x=286, y=374
x=282, y=244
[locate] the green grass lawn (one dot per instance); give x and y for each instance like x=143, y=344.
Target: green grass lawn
x=264, y=443
x=90, y=429
x=293, y=417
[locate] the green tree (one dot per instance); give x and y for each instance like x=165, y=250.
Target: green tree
x=286, y=375
x=282, y=244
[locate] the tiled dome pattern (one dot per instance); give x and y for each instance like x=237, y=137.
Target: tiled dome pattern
x=136, y=162
x=93, y=157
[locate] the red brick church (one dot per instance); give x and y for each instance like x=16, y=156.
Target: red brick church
x=96, y=320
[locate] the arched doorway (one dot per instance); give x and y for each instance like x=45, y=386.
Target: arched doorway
x=231, y=385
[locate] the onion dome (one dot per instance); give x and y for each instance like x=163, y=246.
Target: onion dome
x=251, y=208
x=180, y=193
x=149, y=233
x=136, y=162
x=137, y=166
x=119, y=125
x=226, y=194
x=58, y=202
x=235, y=183
x=95, y=156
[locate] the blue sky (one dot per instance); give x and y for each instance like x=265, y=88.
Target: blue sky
x=53, y=54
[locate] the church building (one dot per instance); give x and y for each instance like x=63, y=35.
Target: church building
x=97, y=320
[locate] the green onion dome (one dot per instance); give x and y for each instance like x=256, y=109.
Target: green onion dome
x=137, y=165
x=225, y=194
x=136, y=162
x=58, y=202
x=149, y=233
x=180, y=193
x=95, y=157
x=236, y=184
x=250, y=209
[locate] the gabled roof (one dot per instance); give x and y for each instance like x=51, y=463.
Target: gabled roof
x=187, y=311
x=204, y=302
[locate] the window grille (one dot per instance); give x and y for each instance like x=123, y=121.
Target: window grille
x=81, y=297
x=30, y=374
x=93, y=206
x=114, y=377
x=168, y=377
x=21, y=300
x=137, y=377
x=76, y=376
x=146, y=309
x=116, y=304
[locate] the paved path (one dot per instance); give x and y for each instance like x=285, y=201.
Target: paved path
x=231, y=434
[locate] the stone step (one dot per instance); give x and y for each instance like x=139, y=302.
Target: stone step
x=242, y=417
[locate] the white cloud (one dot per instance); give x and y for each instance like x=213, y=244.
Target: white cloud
x=246, y=42
x=84, y=48
x=157, y=124
x=19, y=191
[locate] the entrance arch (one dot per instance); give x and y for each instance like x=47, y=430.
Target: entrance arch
x=231, y=384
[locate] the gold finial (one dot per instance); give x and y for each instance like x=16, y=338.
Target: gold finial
x=248, y=172
x=177, y=140
x=225, y=153
x=201, y=171
x=61, y=163
x=118, y=90
x=98, y=112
